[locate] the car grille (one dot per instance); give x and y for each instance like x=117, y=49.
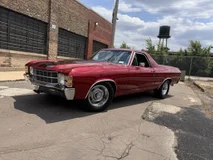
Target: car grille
x=45, y=76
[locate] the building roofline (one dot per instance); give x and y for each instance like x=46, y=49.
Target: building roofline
x=93, y=11
x=100, y=16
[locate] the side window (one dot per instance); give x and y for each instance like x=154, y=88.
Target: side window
x=135, y=62
x=140, y=59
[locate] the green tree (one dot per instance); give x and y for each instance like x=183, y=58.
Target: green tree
x=195, y=49
x=124, y=45
x=182, y=52
x=155, y=49
x=202, y=65
x=149, y=46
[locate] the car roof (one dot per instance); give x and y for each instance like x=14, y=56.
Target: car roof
x=125, y=49
x=152, y=61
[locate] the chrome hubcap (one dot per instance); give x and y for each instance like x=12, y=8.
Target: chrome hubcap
x=98, y=96
x=165, y=88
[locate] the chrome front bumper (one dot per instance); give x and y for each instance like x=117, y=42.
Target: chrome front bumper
x=68, y=93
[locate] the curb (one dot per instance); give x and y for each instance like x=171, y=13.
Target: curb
x=199, y=86
x=16, y=80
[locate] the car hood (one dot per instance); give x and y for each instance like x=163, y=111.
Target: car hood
x=60, y=66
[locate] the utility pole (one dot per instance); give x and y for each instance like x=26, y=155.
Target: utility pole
x=114, y=20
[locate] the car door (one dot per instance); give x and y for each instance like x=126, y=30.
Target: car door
x=134, y=76
x=141, y=73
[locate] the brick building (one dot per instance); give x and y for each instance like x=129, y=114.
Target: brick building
x=49, y=29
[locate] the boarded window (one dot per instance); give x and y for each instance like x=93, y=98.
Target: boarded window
x=97, y=46
x=71, y=44
x=22, y=33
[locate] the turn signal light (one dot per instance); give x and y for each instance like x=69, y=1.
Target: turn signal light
x=68, y=81
x=69, y=84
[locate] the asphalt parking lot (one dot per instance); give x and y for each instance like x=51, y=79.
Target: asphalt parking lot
x=44, y=127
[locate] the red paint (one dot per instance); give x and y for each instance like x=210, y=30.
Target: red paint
x=128, y=79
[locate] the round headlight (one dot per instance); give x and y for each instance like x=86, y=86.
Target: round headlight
x=61, y=79
x=31, y=70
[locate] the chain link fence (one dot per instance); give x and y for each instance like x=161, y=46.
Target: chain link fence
x=193, y=65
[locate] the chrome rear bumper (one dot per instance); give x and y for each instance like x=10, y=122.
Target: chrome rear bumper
x=68, y=93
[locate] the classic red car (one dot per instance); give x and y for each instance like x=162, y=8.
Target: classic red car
x=109, y=73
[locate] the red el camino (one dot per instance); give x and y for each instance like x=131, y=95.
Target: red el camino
x=108, y=74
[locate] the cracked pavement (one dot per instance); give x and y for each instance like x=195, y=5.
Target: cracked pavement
x=43, y=127
x=193, y=125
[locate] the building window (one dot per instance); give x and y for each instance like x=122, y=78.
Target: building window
x=71, y=44
x=22, y=33
x=97, y=46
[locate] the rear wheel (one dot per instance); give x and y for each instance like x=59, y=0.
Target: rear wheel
x=163, y=91
x=100, y=97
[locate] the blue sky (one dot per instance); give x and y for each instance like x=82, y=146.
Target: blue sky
x=108, y=4
x=139, y=20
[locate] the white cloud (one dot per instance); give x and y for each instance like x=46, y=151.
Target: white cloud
x=183, y=8
x=125, y=7
x=134, y=30
x=103, y=12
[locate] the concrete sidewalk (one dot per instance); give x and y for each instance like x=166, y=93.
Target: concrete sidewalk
x=11, y=76
x=205, y=86
x=199, y=78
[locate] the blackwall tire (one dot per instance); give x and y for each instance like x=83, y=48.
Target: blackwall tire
x=163, y=91
x=100, y=97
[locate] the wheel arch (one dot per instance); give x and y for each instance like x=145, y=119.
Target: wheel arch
x=167, y=79
x=110, y=81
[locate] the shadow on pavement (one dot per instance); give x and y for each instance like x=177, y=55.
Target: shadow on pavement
x=194, y=131
x=54, y=109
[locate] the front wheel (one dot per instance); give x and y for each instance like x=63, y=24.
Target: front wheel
x=100, y=96
x=163, y=91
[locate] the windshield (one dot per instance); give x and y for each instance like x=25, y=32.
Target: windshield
x=114, y=56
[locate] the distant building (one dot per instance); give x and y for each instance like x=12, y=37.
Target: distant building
x=49, y=29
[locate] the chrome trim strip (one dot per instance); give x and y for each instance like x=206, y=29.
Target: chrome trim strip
x=47, y=85
x=103, y=80
x=164, y=81
x=130, y=58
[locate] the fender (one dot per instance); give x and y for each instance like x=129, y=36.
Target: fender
x=164, y=81
x=99, y=81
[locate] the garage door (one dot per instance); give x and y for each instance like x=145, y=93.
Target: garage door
x=22, y=33
x=71, y=44
x=97, y=46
